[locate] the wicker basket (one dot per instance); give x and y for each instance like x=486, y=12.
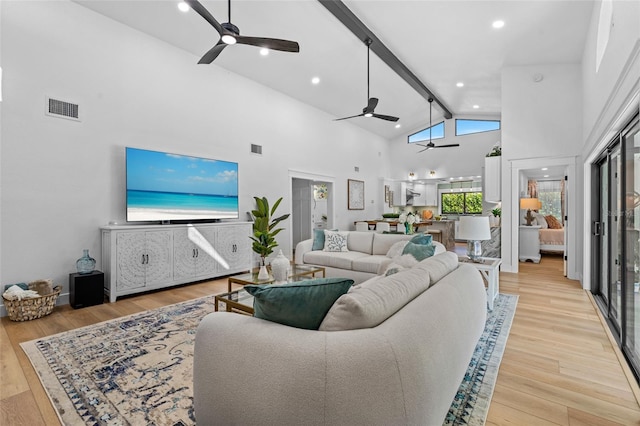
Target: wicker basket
x=33, y=308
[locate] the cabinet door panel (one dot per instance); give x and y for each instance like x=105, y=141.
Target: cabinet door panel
x=234, y=247
x=130, y=261
x=159, y=263
x=205, y=243
x=184, y=254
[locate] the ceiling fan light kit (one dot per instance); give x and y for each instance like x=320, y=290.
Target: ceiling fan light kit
x=230, y=35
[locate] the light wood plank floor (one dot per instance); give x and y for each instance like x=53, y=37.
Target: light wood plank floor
x=559, y=366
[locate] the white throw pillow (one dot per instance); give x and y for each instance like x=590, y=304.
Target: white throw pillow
x=396, y=249
x=540, y=220
x=335, y=241
x=400, y=263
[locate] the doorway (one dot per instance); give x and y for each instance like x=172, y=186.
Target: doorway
x=311, y=205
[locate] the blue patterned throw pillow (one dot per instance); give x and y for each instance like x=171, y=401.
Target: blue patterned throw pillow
x=302, y=304
x=318, y=239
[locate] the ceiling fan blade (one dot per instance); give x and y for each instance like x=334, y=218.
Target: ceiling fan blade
x=213, y=53
x=346, y=118
x=195, y=5
x=425, y=148
x=447, y=146
x=269, y=43
x=386, y=117
x=371, y=105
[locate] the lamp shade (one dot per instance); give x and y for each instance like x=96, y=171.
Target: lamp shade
x=475, y=228
x=529, y=203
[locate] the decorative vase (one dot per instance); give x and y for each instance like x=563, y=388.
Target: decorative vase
x=86, y=263
x=408, y=227
x=263, y=274
x=279, y=267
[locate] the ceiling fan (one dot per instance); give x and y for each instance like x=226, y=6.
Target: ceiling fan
x=368, y=111
x=431, y=145
x=230, y=34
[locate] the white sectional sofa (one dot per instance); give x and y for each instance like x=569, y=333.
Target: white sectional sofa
x=366, y=256
x=391, y=351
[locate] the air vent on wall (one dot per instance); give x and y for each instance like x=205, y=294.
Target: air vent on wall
x=62, y=109
x=256, y=149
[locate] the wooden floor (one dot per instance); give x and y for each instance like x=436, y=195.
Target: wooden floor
x=559, y=366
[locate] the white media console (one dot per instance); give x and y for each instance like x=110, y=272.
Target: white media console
x=148, y=257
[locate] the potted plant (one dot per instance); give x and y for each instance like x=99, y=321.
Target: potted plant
x=497, y=212
x=265, y=230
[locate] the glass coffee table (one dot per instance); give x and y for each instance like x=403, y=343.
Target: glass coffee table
x=240, y=301
x=296, y=271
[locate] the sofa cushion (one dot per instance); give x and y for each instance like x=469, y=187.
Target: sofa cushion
x=361, y=241
x=372, y=302
x=369, y=263
x=301, y=304
x=439, y=265
x=335, y=241
x=419, y=251
x=383, y=242
x=341, y=260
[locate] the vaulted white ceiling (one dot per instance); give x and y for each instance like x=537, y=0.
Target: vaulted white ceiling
x=441, y=42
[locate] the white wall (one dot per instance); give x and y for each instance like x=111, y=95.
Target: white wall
x=540, y=121
x=61, y=180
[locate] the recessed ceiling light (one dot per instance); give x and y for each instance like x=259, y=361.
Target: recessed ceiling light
x=315, y=80
x=264, y=51
x=546, y=176
x=497, y=24
x=544, y=168
x=476, y=106
x=460, y=84
x=184, y=7
x=450, y=178
x=398, y=125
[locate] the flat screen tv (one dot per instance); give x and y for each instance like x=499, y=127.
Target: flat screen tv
x=162, y=186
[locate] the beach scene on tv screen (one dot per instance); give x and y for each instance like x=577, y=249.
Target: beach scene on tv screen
x=163, y=186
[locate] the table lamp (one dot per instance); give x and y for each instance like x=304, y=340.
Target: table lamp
x=529, y=204
x=474, y=229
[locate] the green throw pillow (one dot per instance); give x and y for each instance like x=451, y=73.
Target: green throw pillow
x=419, y=251
x=302, y=304
x=424, y=239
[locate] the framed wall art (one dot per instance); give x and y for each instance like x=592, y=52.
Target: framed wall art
x=355, y=194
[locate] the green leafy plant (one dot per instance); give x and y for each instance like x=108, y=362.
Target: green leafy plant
x=265, y=227
x=495, y=152
x=496, y=212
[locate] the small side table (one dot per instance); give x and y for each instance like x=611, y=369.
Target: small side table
x=86, y=289
x=489, y=268
x=529, y=243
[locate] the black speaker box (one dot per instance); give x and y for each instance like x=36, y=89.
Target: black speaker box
x=86, y=289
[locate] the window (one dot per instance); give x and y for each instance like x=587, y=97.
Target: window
x=550, y=194
x=437, y=132
x=461, y=202
x=468, y=127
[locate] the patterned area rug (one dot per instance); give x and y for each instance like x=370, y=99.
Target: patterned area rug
x=137, y=369
x=471, y=404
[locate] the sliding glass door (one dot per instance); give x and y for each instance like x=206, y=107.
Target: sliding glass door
x=631, y=144
x=616, y=239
